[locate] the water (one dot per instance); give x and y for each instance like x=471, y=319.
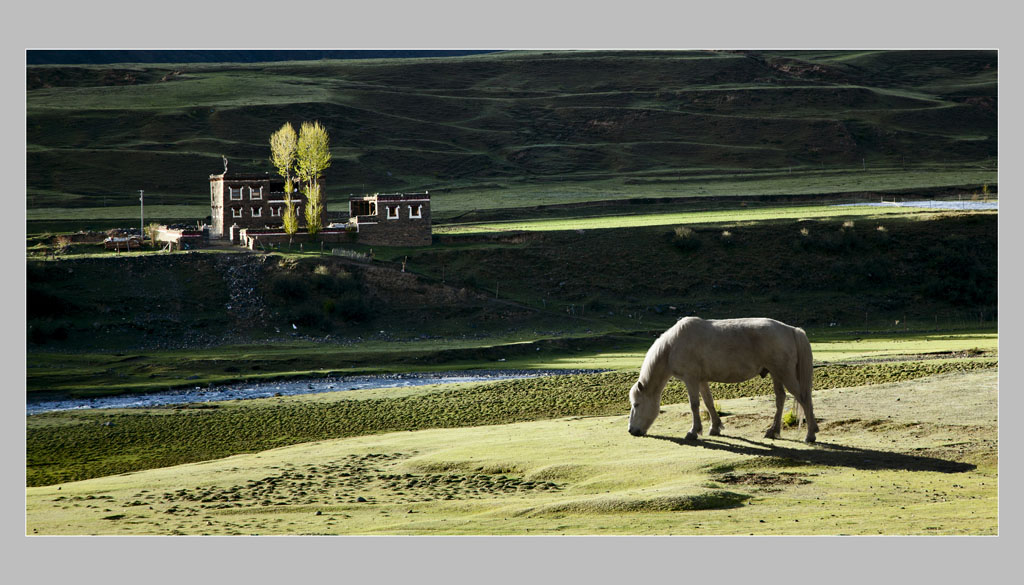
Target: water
x=932, y=204
x=246, y=391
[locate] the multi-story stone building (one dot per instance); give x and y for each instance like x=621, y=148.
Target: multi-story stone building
x=392, y=219
x=251, y=201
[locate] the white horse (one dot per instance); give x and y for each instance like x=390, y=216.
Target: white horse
x=699, y=351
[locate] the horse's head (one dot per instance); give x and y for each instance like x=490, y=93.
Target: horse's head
x=643, y=410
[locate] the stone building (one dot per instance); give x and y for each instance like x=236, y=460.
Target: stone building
x=392, y=219
x=251, y=200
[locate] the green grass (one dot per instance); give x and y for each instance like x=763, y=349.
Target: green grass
x=76, y=445
x=128, y=212
x=913, y=470
x=524, y=128
x=717, y=183
x=618, y=221
x=94, y=374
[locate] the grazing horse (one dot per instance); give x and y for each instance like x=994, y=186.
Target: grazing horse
x=699, y=351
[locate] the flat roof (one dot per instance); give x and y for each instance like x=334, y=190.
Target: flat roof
x=245, y=177
x=392, y=197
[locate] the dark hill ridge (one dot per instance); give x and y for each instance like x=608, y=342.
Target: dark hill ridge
x=809, y=272
x=106, y=57
x=507, y=118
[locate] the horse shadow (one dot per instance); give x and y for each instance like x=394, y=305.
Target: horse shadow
x=829, y=454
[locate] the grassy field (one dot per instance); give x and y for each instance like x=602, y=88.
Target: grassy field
x=617, y=220
x=71, y=445
x=794, y=181
x=523, y=128
x=583, y=201
x=93, y=374
x=911, y=467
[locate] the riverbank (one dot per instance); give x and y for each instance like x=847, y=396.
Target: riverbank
x=75, y=445
x=250, y=391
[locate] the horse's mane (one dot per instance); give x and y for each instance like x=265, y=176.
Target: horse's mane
x=656, y=360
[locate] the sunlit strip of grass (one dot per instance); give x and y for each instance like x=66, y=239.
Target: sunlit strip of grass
x=119, y=212
x=882, y=346
x=713, y=182
x=689, y=217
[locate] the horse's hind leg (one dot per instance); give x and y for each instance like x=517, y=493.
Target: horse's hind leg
x=812, y=423
x=709, y=402
x=794, y=389
x=775, y=431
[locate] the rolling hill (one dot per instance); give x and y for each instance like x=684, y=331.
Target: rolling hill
x=604, y=121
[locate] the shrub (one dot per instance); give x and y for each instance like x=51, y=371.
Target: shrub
x=685, y=239
x=62, y=245
x=704, y=413
x=789, y=418
x=333, y=284
x=840, y=241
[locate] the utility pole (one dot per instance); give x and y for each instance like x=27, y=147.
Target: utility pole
x=142, y=215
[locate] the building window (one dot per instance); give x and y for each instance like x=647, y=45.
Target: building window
x=254, y=194
x=392, y=211
x=417, y=213
x=236, y=212
x=275, y=211
x=236, y=194
x=257, y=212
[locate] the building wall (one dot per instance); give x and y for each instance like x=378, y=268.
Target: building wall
x=395, y=223
x=217, y=209
x=250, y=201
x=253, y=238
x=179, y=238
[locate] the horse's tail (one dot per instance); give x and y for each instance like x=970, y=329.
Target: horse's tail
x=804, y=370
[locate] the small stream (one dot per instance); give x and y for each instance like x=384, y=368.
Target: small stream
x=247, y=391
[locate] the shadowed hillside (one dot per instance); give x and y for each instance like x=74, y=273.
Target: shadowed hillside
x=100, y=132
x=811, y=272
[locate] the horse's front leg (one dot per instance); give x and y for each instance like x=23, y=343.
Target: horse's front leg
x=709, y=403
x=693, y=391
x=775, y=431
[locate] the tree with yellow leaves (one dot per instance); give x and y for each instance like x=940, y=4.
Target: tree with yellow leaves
x=312, y=157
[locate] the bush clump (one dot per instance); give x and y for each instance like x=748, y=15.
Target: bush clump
x=685, y=239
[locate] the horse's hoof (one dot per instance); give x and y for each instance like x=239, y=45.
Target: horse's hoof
x=772, y=435
x=691, y=436
x=715, y=432
x=809, y=439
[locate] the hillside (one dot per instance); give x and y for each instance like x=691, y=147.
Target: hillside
x=853, y=273
x=608, y=122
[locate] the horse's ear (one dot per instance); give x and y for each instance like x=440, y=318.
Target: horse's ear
x=639, y=386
